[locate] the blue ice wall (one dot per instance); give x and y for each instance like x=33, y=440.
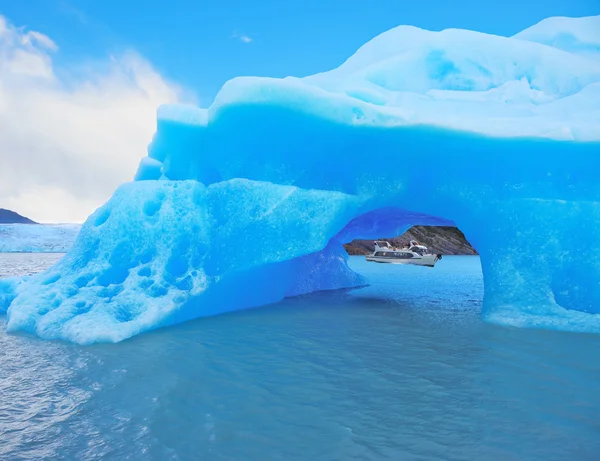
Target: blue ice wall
x=250, y=200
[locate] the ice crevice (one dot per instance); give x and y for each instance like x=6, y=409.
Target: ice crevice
x=249, y=201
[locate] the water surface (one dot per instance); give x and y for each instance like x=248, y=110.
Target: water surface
x=20, y=264
x=401, y=370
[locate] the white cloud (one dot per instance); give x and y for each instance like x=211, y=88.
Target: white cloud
x=66, y=145
x=42, y=40
x=241, y=37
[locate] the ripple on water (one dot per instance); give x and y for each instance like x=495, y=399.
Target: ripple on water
x=22, y=264
x=403, y=369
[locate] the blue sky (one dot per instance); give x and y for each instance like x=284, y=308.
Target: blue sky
x=80, y=80
x=200, y=44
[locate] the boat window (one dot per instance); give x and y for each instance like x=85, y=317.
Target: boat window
x=419, y=251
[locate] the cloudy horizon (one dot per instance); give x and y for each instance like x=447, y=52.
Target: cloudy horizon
x=70, y=136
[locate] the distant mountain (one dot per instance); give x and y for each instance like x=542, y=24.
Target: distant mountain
x=10, y=217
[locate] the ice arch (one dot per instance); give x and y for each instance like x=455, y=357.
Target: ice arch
x=249, y=201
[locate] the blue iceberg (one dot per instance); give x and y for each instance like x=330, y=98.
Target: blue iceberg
x=249, y=201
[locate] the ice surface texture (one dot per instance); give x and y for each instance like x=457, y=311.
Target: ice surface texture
x=37, y=238
x=250, y=200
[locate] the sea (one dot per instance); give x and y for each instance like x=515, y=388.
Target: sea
x=401, y=369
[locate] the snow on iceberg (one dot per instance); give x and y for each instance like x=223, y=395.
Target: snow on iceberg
x=250, y=200
x=578, y=36
x=37, y=238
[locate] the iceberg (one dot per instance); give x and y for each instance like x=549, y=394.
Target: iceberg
x=249, y=201
x=37, y=238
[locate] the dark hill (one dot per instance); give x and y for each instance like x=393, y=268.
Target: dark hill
x=438, y=239
x=10, y=217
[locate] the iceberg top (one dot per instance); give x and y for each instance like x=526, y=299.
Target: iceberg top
x=544, y=82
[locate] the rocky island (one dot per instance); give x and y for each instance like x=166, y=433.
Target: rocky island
x=446, y=240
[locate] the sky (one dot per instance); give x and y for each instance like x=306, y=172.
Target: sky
x=80, y=80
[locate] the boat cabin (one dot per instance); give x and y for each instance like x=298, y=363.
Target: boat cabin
x=416, y=247
x=382, y=245
x=419, y=249
x=413, y=253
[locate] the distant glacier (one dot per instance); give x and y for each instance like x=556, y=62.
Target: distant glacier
x=37, y=238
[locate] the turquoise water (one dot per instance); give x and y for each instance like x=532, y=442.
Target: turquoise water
x=403, y=369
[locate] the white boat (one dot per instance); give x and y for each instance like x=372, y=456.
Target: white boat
x=415, y=253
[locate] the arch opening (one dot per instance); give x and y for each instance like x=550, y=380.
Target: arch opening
x=453, y=287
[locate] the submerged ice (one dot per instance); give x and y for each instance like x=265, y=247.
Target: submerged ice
x=250, y=200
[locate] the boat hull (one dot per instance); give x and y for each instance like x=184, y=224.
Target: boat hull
x=426, y=260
